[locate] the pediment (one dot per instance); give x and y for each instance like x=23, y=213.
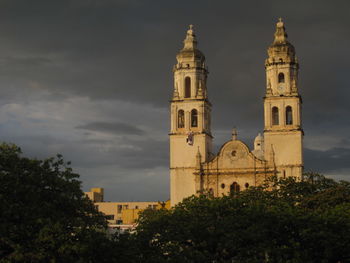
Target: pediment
x=235, y=155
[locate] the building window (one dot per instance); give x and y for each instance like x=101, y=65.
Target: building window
x=181, y=119
x=289, y=115
x=119, y=209
x=222, y=186
x=187, y=87
x=194, y=118
x=280, y=78
x=234, y=188
x=275, y=117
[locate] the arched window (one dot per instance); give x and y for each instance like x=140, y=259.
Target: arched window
x=194, y=118
x=181, y=119
x=281, y=78
x=289, y=115
x=275, y=117
x=234, y=188
x=187, y=87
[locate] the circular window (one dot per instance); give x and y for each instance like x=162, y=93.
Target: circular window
x=222, y=186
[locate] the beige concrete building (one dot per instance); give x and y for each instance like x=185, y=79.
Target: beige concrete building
x=121, y=213
x=194, y=168
x=95, y=194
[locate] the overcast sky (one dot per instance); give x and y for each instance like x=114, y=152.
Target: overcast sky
x=91, y=79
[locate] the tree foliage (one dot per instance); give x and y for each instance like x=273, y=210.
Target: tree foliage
x=284, y=220
x=44, y=215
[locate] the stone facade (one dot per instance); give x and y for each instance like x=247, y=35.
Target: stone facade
x=194, y=168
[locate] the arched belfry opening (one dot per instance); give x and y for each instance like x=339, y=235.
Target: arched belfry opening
x=281, y=78
x=194, y=118
x=275, y=116
x=181, y=119
x=289, y=115
x=187, y=87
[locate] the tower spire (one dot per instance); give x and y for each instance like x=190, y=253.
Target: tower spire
x=280, y=34
x=281, y=50
x=190, y=41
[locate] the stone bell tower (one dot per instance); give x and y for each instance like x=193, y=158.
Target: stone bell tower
x=283, y=132
x=190, y=136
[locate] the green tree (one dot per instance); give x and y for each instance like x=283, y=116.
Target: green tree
x=44, y=215
x=284, y=220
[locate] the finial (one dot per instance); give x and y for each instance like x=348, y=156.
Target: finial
x=176, y=92
x=200, y=92
x=198, y=152
x=234, y=134
x=280, y=22
x=280, y=34
x=190, y=41
x=190, y=32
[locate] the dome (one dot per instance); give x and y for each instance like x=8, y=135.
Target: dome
x=259, y=138
x=190, y=51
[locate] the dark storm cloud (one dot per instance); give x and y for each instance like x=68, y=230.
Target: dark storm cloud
x=329, y=161
x=109, y=50
x=99, y=48
x=125, y=153
x=16, y=62
x=115, y=128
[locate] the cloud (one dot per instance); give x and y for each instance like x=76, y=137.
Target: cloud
x=114, y=128
x=92, y=79
x=330, y=161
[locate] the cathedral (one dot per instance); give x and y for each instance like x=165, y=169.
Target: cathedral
x=194, y=168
